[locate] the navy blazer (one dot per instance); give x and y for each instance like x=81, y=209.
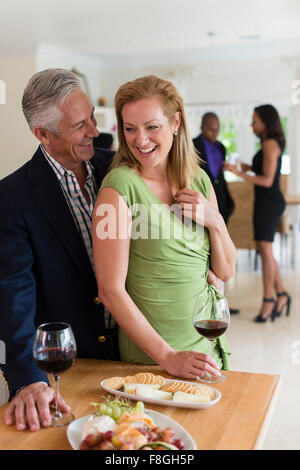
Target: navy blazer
x=45, y=272
x=225, y=202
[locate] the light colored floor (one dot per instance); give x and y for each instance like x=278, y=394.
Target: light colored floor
x=272, y=348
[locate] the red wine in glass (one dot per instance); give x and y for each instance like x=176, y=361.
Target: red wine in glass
x=54, y=351
x=55, y=360
x=211, y=329
x=211, y=318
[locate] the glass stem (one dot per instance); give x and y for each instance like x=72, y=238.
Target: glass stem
x=211, y=342
x=57, y=413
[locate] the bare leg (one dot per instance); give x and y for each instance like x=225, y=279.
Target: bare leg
x=269, y=274
x=281, y=301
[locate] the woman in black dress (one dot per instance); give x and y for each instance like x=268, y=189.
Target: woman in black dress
x=269, y=204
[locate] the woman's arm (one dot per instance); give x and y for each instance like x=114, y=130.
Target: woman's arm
x=271, y=152
x=111, y=255
x=223, y=251
x=205, y=212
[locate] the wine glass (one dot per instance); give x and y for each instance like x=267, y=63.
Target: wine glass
x=211, y=319
x=54, y=351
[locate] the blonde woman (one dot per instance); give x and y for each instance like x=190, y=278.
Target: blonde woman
x=149, y=267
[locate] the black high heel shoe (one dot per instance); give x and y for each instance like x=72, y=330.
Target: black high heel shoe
x=260, y=319
x=286, y=306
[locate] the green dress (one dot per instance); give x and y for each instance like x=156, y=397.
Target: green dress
x=167, y=271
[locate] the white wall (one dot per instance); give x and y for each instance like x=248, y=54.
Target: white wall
x=49, y=56
x=294, y=132
x=231, y=89
x=17, y=143
x=209, y=82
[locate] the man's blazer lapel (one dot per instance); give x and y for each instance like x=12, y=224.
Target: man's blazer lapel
x=50, y=199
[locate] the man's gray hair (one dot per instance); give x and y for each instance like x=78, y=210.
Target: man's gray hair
x=44, y=94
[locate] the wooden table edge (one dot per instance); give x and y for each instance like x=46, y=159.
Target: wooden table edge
x=269, y=414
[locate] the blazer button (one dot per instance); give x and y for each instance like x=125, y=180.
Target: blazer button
x=101, y=339
x=97, y=301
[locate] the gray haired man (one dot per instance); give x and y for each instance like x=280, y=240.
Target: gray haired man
x=46, y=263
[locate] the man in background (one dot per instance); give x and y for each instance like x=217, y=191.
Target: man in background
x=212, y=153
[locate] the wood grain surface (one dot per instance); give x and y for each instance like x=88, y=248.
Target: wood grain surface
x=238, y=421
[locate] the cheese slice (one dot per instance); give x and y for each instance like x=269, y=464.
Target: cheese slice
x=189, y=398
x=146, y=391
x=131, y=388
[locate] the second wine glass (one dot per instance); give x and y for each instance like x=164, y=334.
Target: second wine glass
x=54, y=351
x=211, y=320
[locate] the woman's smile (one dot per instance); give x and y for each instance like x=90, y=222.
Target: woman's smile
x=147, y=152
x=148, y=132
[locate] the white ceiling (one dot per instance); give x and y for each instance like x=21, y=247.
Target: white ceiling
x=161, y=31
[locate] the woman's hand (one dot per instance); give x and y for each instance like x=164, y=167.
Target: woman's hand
x=238, y=168
x=214, y=281
x=246, y=167
x=195, y=206
x=233, y=168
x=190, y=364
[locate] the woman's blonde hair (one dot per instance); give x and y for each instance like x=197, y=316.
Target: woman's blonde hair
x=183, y=160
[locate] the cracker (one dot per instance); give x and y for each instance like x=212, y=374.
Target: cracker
x=172, y=387
x=131, y=379
x=182, y=386
x=186, y=388
x=166, y=387
x=159, y=379
x=140, y=378
x=114, y=382
x=150, y=378
x=145, y=378
x=203, y=390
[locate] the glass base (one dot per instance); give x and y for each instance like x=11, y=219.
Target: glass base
x=212, y=379
x=63, y=420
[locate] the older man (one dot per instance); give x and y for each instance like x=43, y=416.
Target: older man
x=46, y=263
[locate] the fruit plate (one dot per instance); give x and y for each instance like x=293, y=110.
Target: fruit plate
x=74, y=430
x=197, y=406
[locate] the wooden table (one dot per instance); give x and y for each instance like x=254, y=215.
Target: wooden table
x=238, y=421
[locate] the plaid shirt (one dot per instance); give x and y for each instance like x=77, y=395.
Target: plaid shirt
x=80, y=209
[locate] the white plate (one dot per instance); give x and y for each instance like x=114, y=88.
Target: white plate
x=74, y=430
x=198, y=406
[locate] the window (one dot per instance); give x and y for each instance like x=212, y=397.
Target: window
x=228, y=135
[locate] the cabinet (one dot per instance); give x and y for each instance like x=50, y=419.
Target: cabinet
x=106, y=119
x=240, y=224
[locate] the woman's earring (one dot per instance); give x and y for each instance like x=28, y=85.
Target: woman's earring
x=175, y=133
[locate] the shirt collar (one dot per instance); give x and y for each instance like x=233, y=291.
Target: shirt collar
x=209, y=144
x=60, y=170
